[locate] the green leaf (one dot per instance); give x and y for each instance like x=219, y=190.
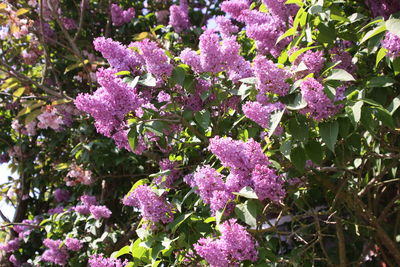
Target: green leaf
x=385, y=117
x=326, y=33
x=394, y=105
x=203, y=118
x=314, y=151
x=286, y=148
x=356, y=109
x=136, y=250
x=156, y=127
x=289, y=32
x=178, y=75
x=274, y=121
x=148, y=80
x=373, y=32
x=340, y=75
x=123, y=251
x=329, y=133
x=247, y=212
x=293, y=56
x=298, y=103
x=298, y=130
x=123, y=72
x=133, y=137
x=381, y=81
x=393, y=26
x=396, y=66
x=178, y=221
x=298, y=158
x=247, y=192
x=380, y=55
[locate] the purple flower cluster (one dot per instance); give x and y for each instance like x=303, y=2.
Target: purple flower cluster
x=216, y=58
x=260, y=113
x=11, y=245
x=15, y=261
x=25, y=230
x=345, y=58
x=392, y=44
x=280, y=9
x=179, y=16
x=55, y=253
x=267, y=184
x=153, y=207
x=233, y=246
x=155, y=59
x=56, y=210
x=119, y=56
x=61, y=195
x=383, y=8
x=49, y=118
x=270, y=78
x=69, y=23
x=168, y=179
x=98, y=260
x=225, y=26
x=119, y=16
x=236, y=9
x=314, y=61
x=73, y=244
x=100, y=211
x=109, y=104
x=319, y=106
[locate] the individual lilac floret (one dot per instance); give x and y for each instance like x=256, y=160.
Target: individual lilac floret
x=280, y=9
x=179, y=16
x=73, y=244
x=238, y=154
x=119, y=16
x=99, y=212
x=267, y=183
x=270, y=78
x=11, y=245
x=61, y=195
x=118, y=56
x=98, y=260
x=260, y=113
x=392, y=44
x=225, y=26
x=153, y=208
x=235, y=245
x=236, y=8
x=55, y=253
x=319, y=106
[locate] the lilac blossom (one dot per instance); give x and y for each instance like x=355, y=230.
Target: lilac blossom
x=392, y=44
x=167, y=179
x=314, y=61
x=61, y=195
x=319, y=106
x=225, y=26
x=55, y=253
x=179, y=16
x=119, y=16
x=260, y=113
x=233, y=246
x=11, y=245
x=152, y=207
x=267, y=183
x=280, y=9
x=49, y=119
x=56, y=210
x=236, y=8
x=73, y=244
x=100, y=211
x=98, y=260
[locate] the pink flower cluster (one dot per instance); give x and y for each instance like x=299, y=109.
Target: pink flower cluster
x=90, y=206
x=280, y=9
x=152, y=207
x=119, y=16
x=98, y=260
x=55, y=253
x=179, y=16
x=61, y=195
x=319, y=106
x=235, y=245
x=11, y=245
x=73, y=244
x=314, y=61
x=50, y=119
x=77, y=175
x=168, y=179
x=216, y=58
x=260, y=113
x=392, y=44
x=109, y=105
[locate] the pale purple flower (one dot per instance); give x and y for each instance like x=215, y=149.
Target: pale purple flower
x=61, y=195
x=235, y=8
x=260, y=113
x=69, y=23
x=100, y=211
x=119, y=16
x=73, y=244
x=280, y=9
x=179, y=16
x=314, y=61
x=392, y=44
x=56, y=210
x=15, y=261
x=267, y=183
x=49, y=118
x=55, y=253
x=225, y=26
x=98, y=260
x=11, y=245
